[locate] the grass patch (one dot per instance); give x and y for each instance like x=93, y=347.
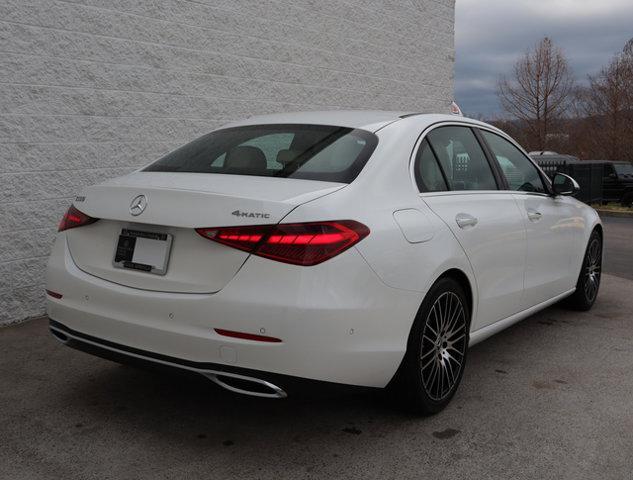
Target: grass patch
x=614, y=207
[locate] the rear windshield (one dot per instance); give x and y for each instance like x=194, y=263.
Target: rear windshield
x=311, y=152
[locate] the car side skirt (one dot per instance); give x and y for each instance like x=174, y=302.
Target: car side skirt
x=489, y=330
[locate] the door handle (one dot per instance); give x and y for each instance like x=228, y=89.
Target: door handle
x=533, y=215
x=465, y=220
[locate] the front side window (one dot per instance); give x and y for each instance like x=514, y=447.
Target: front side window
x=311, y=152
x=462, y=159
x=518, y=170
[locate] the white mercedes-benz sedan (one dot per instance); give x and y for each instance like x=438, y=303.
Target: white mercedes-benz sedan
x=360, y=248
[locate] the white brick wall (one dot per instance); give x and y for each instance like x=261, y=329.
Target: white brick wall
x=90, y=89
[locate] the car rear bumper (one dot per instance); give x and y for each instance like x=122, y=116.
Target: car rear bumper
x=337, y=321
x=239, y=380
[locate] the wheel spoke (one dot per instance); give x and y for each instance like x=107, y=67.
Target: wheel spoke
x=438, y=323
x=449, y=370
x=456, y=326
x=458, y=313
x=439, y=311
x=444, y=311
x=427, y=353
x=451, y=340
x=433, y=375
x=432, y=330
x=450, y=312
x=432, y=359
x=450, y=347
x=440, y=385
x=458, y=362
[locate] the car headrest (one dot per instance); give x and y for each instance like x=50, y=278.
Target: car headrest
x=287, y=156
x=245, y=158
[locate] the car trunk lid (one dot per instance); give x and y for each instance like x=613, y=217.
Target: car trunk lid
x=174, y=204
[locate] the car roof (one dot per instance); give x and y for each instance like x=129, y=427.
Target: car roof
x=554, y=158
x=611, y=162
x=371, y=120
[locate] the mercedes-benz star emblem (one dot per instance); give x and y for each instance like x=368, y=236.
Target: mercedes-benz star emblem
x=138, y=205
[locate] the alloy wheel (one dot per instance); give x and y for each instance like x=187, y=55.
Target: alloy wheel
x=593, y=265
x=444, y=344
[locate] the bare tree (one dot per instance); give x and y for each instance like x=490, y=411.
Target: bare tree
x=538, y=91
x=608, y=107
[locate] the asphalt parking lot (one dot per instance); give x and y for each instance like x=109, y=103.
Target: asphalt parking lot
x=618, y=258
x=551, y=397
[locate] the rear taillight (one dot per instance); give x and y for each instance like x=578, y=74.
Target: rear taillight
x=297, y=243
x=73, y=218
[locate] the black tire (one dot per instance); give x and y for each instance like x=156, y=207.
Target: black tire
x=588, y=282
x=431, y=370
x=627, y=200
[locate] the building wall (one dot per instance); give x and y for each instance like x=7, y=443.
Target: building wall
x=90, y=89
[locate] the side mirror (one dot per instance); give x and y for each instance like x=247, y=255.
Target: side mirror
x=565, y=185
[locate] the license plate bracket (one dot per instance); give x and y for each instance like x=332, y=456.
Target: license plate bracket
x=143, y=251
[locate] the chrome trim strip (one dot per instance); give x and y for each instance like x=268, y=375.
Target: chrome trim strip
x=210, y=374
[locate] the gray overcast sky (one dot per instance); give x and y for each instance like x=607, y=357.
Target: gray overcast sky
x=492, y=34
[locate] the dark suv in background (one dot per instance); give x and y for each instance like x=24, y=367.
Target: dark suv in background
x=601, y=181
x=617, y=184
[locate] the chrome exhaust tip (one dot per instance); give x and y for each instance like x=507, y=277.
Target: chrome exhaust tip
x=255, y=387
x=59, y=335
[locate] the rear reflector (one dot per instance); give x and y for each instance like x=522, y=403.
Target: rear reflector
x=56, y=295
x=74, y=218
x=296, y=243
x=246, y=336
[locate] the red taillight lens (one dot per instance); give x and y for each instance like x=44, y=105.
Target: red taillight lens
x=297, y=243
x=74, y=218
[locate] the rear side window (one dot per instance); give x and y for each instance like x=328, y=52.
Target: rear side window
x=624, y=169
x=427, y=171
x=311, y=152
x=518, y=170
x=608, y=169
x=462, y=159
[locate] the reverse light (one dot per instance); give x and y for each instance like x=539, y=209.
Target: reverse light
x=74, y=218
x=303, y=244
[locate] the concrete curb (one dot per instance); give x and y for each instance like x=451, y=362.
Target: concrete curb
x=12, y=323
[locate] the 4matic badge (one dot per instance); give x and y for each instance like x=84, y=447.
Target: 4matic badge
x=238, y=213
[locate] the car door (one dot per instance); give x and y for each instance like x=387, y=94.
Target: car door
x=610, y=189
x=549, y=221
x=459, y=184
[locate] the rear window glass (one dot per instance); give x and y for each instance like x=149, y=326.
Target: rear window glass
x=311, y=152
x=623, y=168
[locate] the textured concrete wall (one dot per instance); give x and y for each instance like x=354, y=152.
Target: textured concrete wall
x=90, y=89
